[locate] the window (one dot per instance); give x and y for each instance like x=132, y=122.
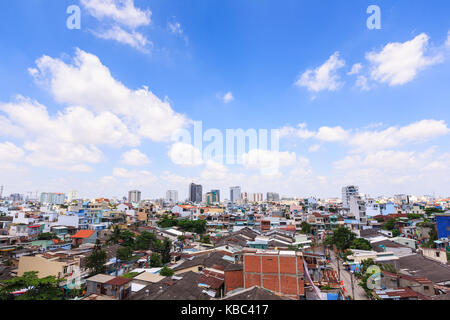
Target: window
x=438, y=254
x=426, y=287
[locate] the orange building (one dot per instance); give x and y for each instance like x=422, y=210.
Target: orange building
x=279, y=271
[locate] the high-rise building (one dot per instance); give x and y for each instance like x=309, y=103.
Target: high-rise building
x=52, y=198
x=217, y=192
x=134, y=196
x=256, y=197
x=235, y=194
x=172, y=196
x=195, y=193
x=211, y=198
x=16, y=197
x=72, y=195
x=347, y=192
x=273, y=197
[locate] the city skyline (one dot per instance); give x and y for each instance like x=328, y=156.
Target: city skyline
x=94, y=109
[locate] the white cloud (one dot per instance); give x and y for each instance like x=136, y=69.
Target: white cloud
x=9, y=152
x=62, y=156
x=300, y=132
x=324, y=77
x=314, y=148
x=417, y=132
x=134, y=39
x=329, y=134
x=369, y=140
x=185, y=155
x=399, y=63
x=120, y=11
x=447, y=43
x=135, y=158
x=135, y=178
x=356, y=69
x=214, y=171
x=267, y=161
x=362, y=83
x=73, y=125
x=88, y=83
x=175, y=27
x=226, y=98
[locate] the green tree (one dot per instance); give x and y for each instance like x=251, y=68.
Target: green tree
x=145, y=240
x=126, y=238
x=47, y=236
x=165, y=252
x=96, y=261
x=306, y=228
x=341, y=237
x=38, y=289
x=430, y=211
x=361, y=244
x=395, y=232
x=124, y=253
x=115, y=235
x=389, y=225
x=166, y=272
x=205, y=239
x=155, y=260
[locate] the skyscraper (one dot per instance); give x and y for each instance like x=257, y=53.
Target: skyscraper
x=172, y=196
x=195, y=193
x=273, y=197
x=134, y=196
x=235, y=194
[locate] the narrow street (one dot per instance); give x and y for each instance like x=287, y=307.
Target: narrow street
x=346, y=278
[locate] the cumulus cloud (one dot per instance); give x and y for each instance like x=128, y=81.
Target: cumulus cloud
x=395, y=136
x=89, y=83
x=9, y=152
x=329, y=134
x=399, y=63
x=135, y=158
x=185, y=155
x=268, y=161
x=324, y=77
x=372, y=139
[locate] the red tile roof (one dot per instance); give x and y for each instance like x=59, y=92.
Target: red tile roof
x=119, y=281
x=83, y=234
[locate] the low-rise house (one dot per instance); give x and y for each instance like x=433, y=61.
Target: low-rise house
x=106, y=285
x=49, y=264
x=391, y=280
x=84, y=236
x=400, y=294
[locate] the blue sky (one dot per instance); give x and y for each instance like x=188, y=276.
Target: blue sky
x=389, y=136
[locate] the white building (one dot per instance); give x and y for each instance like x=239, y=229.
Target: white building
x=235, y=194
x=134, y=196
x=172, y=196
x=347, y=192
x=358, y=209
x=52, y=198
